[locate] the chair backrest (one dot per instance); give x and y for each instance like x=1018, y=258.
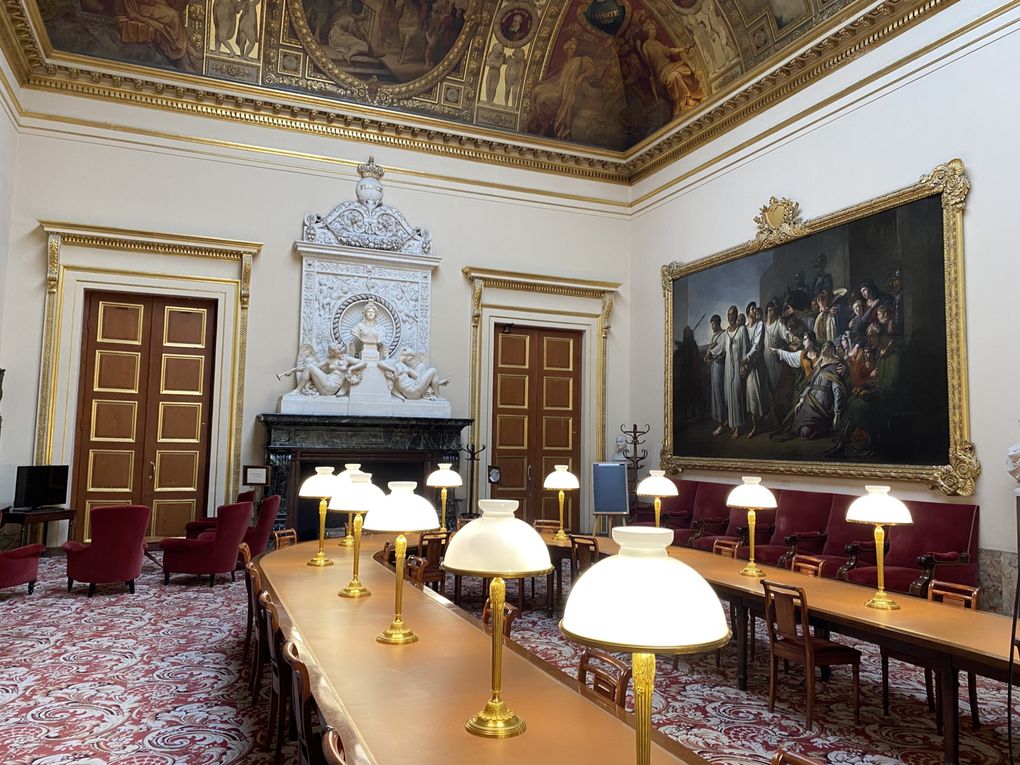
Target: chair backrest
x=333, y=747
x=303, y=705
x=116, y=529
x=546, y=524
x=273, y=632
x=682, y=505
x=937, y=527
x=611, y=682
x=725, y=547
x=432, y=547
x=257, y=536
x=246, y=496
x=800, y=512
x=783, y=757
x=961, y=595
x=710, y=500
x=231, y=525
x=839, y=532
x=808, y=564
x=584, y=551
x=244, y=553
x=510, y=612
x=284, y=538
x=786, y=614
x=414, y=570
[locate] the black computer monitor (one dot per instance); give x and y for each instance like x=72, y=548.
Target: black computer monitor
x=39, y=485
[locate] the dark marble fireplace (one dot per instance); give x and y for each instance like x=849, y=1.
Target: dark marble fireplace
x=391, y=448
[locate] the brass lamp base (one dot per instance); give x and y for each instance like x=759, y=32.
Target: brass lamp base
x=560, y=536
x=495, y=721
x=882, y=602
x=397, y=633
x=355, y=589
x=347, y=541
x=320, y=560
x=751, y=569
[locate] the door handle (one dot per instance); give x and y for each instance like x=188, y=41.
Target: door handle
x=152, y=470
x=529, y=476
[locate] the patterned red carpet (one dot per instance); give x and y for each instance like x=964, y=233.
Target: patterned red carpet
x=157, y=678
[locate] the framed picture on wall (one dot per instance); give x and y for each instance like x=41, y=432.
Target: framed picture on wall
x=829, y=347
x=255, y=475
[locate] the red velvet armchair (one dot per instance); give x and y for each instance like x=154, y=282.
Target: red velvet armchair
x=800, y=515
x=674, y=512
x=709, y=514
x=941, y=544
x=833, y=543
x=116, y=551
x=20, y=566
x=215, y=552
x=737, y=530
x=194, y=529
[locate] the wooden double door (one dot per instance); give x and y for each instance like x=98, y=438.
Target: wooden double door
x=536, y=417
x=144, y=401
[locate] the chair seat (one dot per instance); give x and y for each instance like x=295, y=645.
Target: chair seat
x=826, y=651
x=767, y=554
x=897, y=578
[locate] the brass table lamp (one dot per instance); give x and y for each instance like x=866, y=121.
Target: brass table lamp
x=401, y=511
x=752, y=495
x=878, y=508
x=444, y=478
x=497, y=545
x=350, y=468
x=643, y=602
x=356, y=496
x=658, y=486
x=321, y=485
x=562, y=480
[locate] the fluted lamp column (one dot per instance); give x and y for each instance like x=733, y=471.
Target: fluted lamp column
x=658, y=486
x=321, y=485
x=643, y=602
x=497, y=545
x=350, y=468
x=879, y=508
x=444, y=478
x=561, y=480
x=753, y=496
x=401, y=511
x=356, y=495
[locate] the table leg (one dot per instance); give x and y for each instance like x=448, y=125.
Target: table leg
x=559, y=583
x=24, y=533
x=456, y=589
x=550, y=584
x=950, y=693
x=740, y=612
x=45, y=532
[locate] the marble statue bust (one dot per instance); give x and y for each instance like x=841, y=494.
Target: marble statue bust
x=368, y=334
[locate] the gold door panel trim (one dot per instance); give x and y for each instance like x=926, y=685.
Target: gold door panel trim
x=198, y=390
x=501, y=398
x=101, y=332
x=161, y=505
x=166, y=326
x=164, y=454
x=546, y=397
x=562, y=422
x=508, y=339
x=160, y=430
x=97, y=455
x=97, y=387
x=519, y=423
x=98, y=403
x=547, y=346
x=91, y=503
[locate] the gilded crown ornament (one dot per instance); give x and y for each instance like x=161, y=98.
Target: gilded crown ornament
x=371, y=170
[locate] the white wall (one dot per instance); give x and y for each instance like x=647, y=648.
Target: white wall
x=879, y=139
x=8, y=163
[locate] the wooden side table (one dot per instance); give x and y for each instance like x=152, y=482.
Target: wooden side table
x=28, y=517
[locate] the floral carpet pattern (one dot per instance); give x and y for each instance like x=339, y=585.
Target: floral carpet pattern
x=157, y=678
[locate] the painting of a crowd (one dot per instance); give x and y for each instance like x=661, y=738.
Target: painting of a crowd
x=831, y=347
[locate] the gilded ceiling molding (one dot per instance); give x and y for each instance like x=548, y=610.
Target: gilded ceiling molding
x=42, y=69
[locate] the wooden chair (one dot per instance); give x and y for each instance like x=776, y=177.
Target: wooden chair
x=432, y=549
x=279, y=696
x=783, y=757
x=961, y=596
x=790, y=638
x=414, y=570
x=584, y=552
x=284, y=538
x=510, y=612
x=244, y=553
x=310, y=747
x=333, y=747
x=725, y=547
x=808, y=564
x=259, y=650
x=612, y=682
x=546, y=524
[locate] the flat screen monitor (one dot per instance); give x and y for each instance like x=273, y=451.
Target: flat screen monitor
x=39, y=485
x=609, y=488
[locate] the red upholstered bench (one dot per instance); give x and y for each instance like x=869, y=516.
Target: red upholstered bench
x=736, y=529
x=800, y=514
x=709, y=514
x=675, y=512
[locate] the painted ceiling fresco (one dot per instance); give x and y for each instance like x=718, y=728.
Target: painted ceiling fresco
x=594, y=73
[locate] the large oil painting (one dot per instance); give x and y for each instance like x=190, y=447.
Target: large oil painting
x=827, y=347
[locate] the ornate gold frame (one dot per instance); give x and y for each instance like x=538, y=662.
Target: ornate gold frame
x=61, y=234
x=779, y=221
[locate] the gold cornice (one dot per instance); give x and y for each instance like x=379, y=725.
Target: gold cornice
x=264, y=107
x=108, y=238
x=550, y=285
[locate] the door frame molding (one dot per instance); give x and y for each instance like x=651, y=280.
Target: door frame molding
x=542, y=301
x=82, y=257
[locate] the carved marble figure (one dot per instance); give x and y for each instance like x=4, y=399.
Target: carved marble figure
x=412, y=377
x=332, y=375
x=368, y=342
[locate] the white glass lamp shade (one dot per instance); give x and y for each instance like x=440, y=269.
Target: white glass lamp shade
x=642, y=600
x=561, y=478
x=401, y=511
x=497, y=544
x=320, y=485
x=657, y=485
x=350, y=468
x=444, y=477
x=878, y=507
x=357, y=494
x=751, y=494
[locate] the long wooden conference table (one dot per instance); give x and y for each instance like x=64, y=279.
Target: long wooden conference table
x=948, y=639
x=408, y=704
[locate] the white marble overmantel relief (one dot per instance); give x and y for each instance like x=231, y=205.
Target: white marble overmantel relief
x=366, y=291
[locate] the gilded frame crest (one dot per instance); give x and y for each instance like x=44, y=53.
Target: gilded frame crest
x=779, y=224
